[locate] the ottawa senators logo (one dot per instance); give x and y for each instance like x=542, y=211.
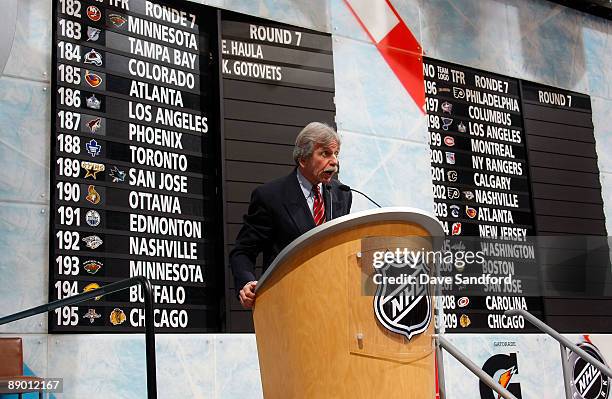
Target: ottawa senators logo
x=92, y=195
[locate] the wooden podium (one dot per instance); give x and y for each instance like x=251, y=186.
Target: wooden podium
x=315, y=323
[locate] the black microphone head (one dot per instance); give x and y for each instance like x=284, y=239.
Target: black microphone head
x=344, y=187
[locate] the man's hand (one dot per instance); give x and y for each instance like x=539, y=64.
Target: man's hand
x=247, y=295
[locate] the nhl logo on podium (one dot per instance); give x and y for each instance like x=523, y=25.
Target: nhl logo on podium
x=404, y=305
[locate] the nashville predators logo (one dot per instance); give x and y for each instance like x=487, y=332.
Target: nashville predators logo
x=117, y=317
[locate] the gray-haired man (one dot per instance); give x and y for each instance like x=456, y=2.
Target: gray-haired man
x=284, y=209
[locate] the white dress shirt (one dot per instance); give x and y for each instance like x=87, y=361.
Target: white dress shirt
x=306, y=187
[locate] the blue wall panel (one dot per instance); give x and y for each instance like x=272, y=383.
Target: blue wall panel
x=385, y=153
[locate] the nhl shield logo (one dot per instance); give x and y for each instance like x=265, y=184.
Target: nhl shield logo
x=586, y=381
x=404, y=306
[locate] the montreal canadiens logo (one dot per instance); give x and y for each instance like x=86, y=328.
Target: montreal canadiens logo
x=587, y=381
x=403, y=308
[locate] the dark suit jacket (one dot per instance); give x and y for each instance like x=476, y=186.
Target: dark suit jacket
x=278, y=214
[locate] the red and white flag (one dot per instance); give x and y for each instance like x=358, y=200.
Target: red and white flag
x=395, y=42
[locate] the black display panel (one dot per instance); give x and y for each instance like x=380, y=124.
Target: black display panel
x=276, y=78
x=515, y=176
x=482, y=194
x=568, y=209
x=134, y=176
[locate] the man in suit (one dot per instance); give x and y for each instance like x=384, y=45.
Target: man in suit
x=284, y=209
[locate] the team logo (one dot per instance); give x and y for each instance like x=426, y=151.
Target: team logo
x=93, y=102
x=92, y=195
x=446, y=122
x=463, y=301
x=403, y=308
x=464, y=320
x=502, y=368
x=92, y=79
x=456, y=229
x=93, y=34
x=93, y=148
x=91, y=287
x=587, y=381
x=94, y=13
x=92, y=315
x=454, y=211
x=450, y=158
x=461, y=127
x=92, y=168
x=93, y=57
x=447, y=107
x=452, y=176
x=117, y=175
x=92, y=218
x=449, y=141
x=471, y=212
x=117, y=20
x=453, y=193
x=468, y=195
x=117, y=317
x=92, y=266
x=458, y=246
x=94, y=125
x=458, y=92
x=92, y=242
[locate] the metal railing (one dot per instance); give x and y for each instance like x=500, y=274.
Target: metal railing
x=443, y=343
x=565, y=345
x=151, y=375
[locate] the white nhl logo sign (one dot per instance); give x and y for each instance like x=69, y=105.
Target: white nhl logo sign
x=403, y=306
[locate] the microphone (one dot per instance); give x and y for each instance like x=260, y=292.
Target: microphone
x=344, y=187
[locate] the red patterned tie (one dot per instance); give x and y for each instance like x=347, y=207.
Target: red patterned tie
x=318, y=210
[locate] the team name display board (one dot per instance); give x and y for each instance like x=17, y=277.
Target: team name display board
x=482, y=189
x=276, y=78
x=568, y=208
x=132, y=184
